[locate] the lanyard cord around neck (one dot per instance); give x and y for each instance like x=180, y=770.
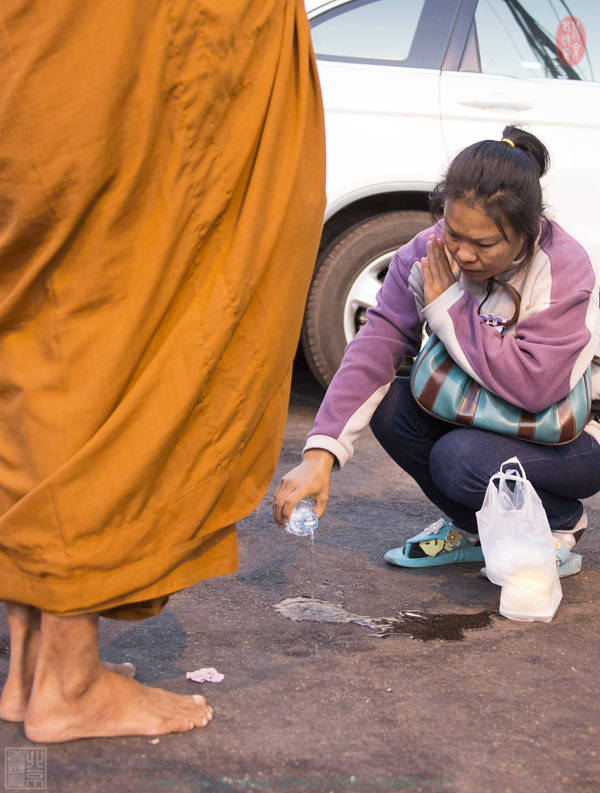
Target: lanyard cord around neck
x=512, y=292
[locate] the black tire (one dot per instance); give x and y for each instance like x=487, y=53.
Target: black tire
x=358, y=256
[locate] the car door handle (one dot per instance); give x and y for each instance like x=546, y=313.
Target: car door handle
x=491, y=104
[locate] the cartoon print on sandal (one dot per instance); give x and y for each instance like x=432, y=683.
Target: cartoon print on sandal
x=453, y=538
x=436, y=547
x=438, y=544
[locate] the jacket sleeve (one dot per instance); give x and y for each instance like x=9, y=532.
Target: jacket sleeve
x=555, y=338
x=392, y=331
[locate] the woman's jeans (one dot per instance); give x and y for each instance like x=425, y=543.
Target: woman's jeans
x=453, y=465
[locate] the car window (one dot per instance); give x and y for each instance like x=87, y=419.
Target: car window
x=555, y=39
x=367, y=30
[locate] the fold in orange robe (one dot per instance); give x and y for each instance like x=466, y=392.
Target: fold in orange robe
x=161, y=197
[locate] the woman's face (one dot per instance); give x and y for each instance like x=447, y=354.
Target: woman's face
x=475, y=243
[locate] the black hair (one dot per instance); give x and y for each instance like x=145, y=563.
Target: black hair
x=505, y=180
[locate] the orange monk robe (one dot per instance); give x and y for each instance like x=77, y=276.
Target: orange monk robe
x=161, y=197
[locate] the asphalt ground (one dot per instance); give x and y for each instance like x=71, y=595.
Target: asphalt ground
x=332, y=706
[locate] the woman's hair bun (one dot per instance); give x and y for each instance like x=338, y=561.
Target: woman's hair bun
x=530, y=144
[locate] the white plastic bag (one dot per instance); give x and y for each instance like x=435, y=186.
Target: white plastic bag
x=518, y=546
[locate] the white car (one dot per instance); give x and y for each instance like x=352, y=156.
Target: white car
x=408, y=83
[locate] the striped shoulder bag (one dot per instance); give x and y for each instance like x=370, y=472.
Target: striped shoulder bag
x=447, y=392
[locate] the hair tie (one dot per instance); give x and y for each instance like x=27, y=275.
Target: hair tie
x=509, y=141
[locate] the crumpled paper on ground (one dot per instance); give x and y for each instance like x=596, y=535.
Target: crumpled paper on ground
x=205, y=675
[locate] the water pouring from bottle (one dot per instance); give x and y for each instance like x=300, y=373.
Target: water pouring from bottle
x=303, y=520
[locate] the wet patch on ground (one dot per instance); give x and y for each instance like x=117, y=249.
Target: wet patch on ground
x=416, y=624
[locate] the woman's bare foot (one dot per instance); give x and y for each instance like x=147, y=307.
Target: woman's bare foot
x=24, y=624
x=75, y=696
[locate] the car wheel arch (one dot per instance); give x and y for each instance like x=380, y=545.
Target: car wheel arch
x=350, y=265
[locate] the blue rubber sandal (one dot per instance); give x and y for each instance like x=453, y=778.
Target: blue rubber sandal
x=438, y=544
x=567, y=562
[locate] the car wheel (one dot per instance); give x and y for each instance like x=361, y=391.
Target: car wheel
x=348, y=276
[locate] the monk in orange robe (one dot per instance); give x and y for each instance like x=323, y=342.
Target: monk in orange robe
x=161, y=199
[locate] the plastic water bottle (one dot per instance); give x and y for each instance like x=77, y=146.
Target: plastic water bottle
x=303, y=520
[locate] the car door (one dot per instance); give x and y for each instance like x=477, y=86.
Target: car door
x=379, y=63
x=535, y=63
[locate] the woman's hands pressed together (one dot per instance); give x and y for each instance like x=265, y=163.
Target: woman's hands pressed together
x=438, y=272
x=310, y=479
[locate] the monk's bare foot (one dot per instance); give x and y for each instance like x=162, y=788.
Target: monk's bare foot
x=75, y=696
x=111, y=706
x=15, y=698
x=13, y=703
x=125, y=669
x=24, y=625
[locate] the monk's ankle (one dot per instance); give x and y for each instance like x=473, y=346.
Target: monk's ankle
x=68, y=664
x=24, y=626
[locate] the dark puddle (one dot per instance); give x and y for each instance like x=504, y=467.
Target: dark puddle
x=433, y=626
x=416, y=624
